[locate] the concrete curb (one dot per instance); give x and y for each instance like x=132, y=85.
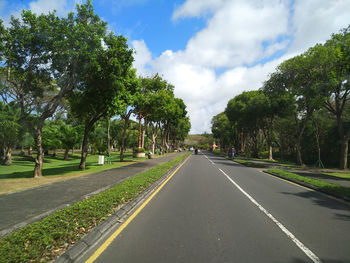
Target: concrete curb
x=79, y=249
x=343, y=198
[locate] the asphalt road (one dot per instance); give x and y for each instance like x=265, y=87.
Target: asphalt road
x=214, y=210
x=24, y=207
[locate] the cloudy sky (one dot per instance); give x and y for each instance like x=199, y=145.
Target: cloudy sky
x=210, y=50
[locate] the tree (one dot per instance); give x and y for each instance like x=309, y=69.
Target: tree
x=297, y=82
x=69, y=136
x=51, y=139
x=130, y=97
x=9, y=130
x=334, y=73
x=247, y=111
x=101, y=93
x=221, y=129
x=43, y=61
x=153, y=103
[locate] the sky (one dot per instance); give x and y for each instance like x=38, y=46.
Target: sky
x=210, y=50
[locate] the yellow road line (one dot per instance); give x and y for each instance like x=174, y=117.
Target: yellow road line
x=103, y=247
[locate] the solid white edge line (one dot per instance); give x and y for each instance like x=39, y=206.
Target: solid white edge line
x=306, y=250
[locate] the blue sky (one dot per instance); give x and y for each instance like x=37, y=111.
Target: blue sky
x=151, y=21
x=210, y=50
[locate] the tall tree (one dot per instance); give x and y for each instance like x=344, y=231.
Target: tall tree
x=101, y=93
x=10, y=130
x=130, y=97
x=296, y=80
x=152, y=103
x=334, y=73
x=43, y=61
x=247, y=112
x=222, y=130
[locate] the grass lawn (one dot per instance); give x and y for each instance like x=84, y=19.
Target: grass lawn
x=19, y=175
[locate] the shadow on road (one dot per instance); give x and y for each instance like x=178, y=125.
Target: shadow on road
x=322, y=200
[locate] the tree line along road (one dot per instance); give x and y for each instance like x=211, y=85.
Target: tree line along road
x=215, y=210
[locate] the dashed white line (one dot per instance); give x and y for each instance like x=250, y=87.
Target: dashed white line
x=289, y=234
x=306, y=250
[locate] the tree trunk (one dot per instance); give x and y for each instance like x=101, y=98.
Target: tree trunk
x=154, y=136
x=8, y=157
x=22, y=153
x=39, y=160
x=2, y=152
x=143, y=138
x=30, y=149
x=270, y=153
x=344, y=148
x=140, y=131
x=298, y=146
x=242, y=141
x=255, y=146
x=66, y=154
x=84, y=148
x=122, y=147
x=109, y=137
x=344, y=142
x=299, y=158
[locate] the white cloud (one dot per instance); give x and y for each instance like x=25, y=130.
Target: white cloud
x=142, y=57
x=46, y=6
x=14, y=8
x=195, y=8
x=235, y=33
x=239, y=33
x=315, y=20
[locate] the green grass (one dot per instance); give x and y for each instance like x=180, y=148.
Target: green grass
x=23, y=167
x=340, y=175
x=41, y=241
x=321, y=185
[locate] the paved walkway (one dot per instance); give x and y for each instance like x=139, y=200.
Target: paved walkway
x=21, y=208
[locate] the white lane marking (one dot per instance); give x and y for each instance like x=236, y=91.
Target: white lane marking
x=306, y=250
x=209, y=159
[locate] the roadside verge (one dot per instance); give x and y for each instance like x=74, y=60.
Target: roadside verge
x=318, y=185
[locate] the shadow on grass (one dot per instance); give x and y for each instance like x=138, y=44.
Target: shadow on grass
x=61, y=170
x=46, y=172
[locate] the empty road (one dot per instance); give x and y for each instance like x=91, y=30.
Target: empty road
x=215, y=210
